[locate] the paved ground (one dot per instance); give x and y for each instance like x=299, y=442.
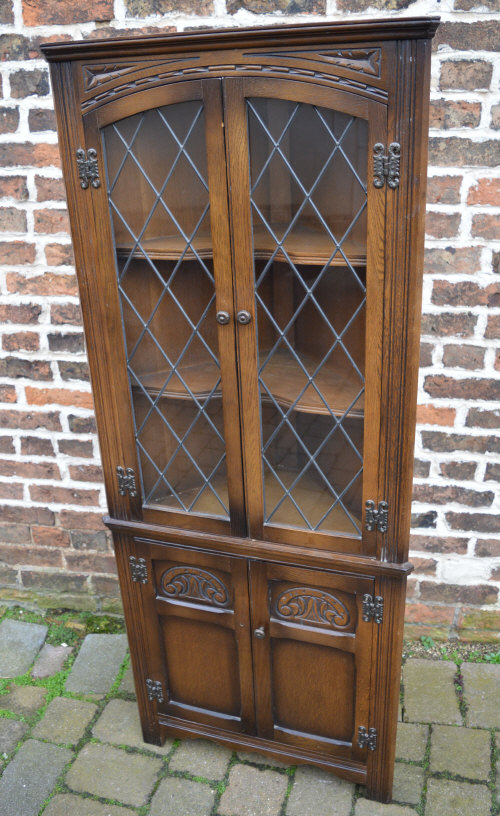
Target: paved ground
x=70, y=745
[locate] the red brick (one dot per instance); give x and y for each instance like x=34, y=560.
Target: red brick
x=485, y=191
x=31, y=420
x=7, y=444
x=257, y=6
x=17, y=252
x=432, y=415
x=82, y=424
x=487, y=548
x=465, y=75
x=86, y=473
x=40, y=119
x=8, y=393
x=486, y=225
x=423, y=613
x=86, y=540
x=9, y=120
x=492, y=472
x=31, y=556
x=497, y=360
x=458, y=470
x=471, y=357
x=29, y=470
x=15, y=533
x=492, y=331
x=451, y=494
x=424, y=566
x=61, y=12
x=29, y=341
x=447, y=325
x=72, y=520
x=50, y=536
x=46, y=284
x=36, y=446
x=455, y=151
x=59, y=396
x=12, y=220
x=27, y=515
x=14, y=187
x=477, y=418
x=476, y=522
x=29, y=83
x=27, y=154
x=465, y=293
x=447, y=442
x=63, y=495
x=442, y=225
x=51, y=221
x=90, y=562
x=49, y=189
x=452, y=261
x=105, y=32
x=495, y=117
x=19, y=367
x=426, y=350
x=457, y=593
x=468, y=36
x=6, y=12
x=421, y=468
x=411, y=587
x=59, y=255
x=25, y=313
x=446, y=114
x=66, y=313
x=444, y=189
x=451, y=388
x=76, y=447
x=11, y=490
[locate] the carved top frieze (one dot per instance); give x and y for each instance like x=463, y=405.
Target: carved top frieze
x=96, y=75
x=312, y=606
x=194, y=584
x=363, y=60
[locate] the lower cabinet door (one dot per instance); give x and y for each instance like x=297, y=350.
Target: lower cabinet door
x=197, y=612
x=312, y=658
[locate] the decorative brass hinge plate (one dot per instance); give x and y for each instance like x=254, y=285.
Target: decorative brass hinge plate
x=126, y=481
x=376, y=518
x=367, y=739
x=138, y=569
x=88, y=169
x=373, y=608
x=386, y=167
x=154, y=689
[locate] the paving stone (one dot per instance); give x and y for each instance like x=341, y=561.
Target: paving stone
x=66, y=803
x=65, y=720
x=251, y=792
x=498, y=766
x=23, y=700
x=429, y=692
x=448, y=798
x=411, y=741
x=19, y=645
x=119, y=724
x=260, y=759
x=29, y=778
x=201, y=758
x=461, y=751
x=181, y=797
x=317, y=793
x=11, y=731
x=482, y=694
x=365, y=807
x=50, y=660
x=127, y=683
x=97, y=664
x=113, y=774
x=408, y=783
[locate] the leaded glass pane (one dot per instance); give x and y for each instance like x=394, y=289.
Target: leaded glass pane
x=308, y=198
x=159, y=204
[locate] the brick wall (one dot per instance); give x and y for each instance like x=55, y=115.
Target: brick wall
x=53, y=547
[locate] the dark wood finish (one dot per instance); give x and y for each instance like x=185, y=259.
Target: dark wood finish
x=251, y=621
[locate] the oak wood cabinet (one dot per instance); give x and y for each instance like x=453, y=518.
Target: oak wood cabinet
x=247, y=210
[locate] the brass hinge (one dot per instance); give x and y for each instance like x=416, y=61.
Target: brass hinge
x=367, y=739
x=154, y=689
x=88, y=169
x=138, y=569
x=126, y=481
x=376, y=518
x=386, y=167
x=373, y=608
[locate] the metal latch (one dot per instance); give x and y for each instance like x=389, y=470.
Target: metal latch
x=386, y=167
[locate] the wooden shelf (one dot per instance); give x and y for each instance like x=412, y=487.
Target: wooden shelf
x=304, y=246
x=282, y=377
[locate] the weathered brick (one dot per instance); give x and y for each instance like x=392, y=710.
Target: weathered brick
x=446, y=442
x=50, y=536
x=492, y=331
x=8, y=393
x=79, y=424
x=361, y=5
x=447, y=113
x=468, y=36
x=465, y=75
x=488, y=548
x=465, y=293
x=444, y=189
x=51, y=221
x=86, y=473
x=73, y=520
x=495, y=262
x=27, y=154
x=462, y=471
x=28, y=341
x=29, y=470
x=36, y=446
x=105, y=32
x=32, y=369
x=495, y=116
x=30, y=420
x=59, y=396
x=492, y=472
x=59, y=255
x=12, y=220
x=424, y=543
x=73, y=342
x=46, y=284
x=7, y=444
x=64, y=495
x=25, y=313
x=76, y=447
x=6, y=12
x=9, y=120
x=426, y=350
x=455, y=151
x=60, y=12
x=49, y=189
x=40, y=119
x=471, y=357
x=423, y=613
x=281, y=6
x=90, y=562
x=484, y=191
x=421, y=469
x=477, y=522
x=62, y=582
x=14, y=187
x=106, y=586
x=27, y=515
x=442, y=225
x=438, y=494
x=143, y=8
x=451, y=388
x=424, y=566
x=66, y=313
x=17, y=252
x=11, y=490
x=86, y=540
x=15, y=533
x=30, y=556
x=15, y=47
x=476, y=5
x=478, y=418
x=458, y=593
x=29, y=83
x=433, y=415
x=486, y=225
x=426, y=519
x=73, y=370
x=449, y=324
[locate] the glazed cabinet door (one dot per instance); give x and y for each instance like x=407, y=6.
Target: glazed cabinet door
x=312, y=658
x=199, y=650
x=165, y=260
x=309, y=265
